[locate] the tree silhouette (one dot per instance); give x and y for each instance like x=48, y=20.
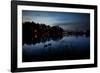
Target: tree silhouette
x=34, y=32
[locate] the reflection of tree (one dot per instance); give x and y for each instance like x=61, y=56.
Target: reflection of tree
x=78, y=33
x=35, y=32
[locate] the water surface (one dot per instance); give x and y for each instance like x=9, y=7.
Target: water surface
x=63, y=48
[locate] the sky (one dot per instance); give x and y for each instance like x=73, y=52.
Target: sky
x=66, y=20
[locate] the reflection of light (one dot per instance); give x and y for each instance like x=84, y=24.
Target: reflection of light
x=35, y=30
x=35, y=36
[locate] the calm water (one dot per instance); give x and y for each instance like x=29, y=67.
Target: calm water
x=65, y=48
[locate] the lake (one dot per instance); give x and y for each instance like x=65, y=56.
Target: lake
x=57, y=48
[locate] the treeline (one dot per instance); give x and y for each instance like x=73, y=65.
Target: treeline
x=34, y=31
x=79, y=33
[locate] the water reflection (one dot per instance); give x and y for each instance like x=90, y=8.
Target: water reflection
x=57, y=48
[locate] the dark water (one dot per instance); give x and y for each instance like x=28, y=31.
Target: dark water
x=65, y=48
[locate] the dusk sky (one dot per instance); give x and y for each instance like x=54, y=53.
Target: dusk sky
x=66, y=20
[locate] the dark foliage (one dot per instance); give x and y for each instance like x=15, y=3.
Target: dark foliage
x=33, y=32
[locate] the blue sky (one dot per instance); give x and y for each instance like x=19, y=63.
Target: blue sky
x=66, y=20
